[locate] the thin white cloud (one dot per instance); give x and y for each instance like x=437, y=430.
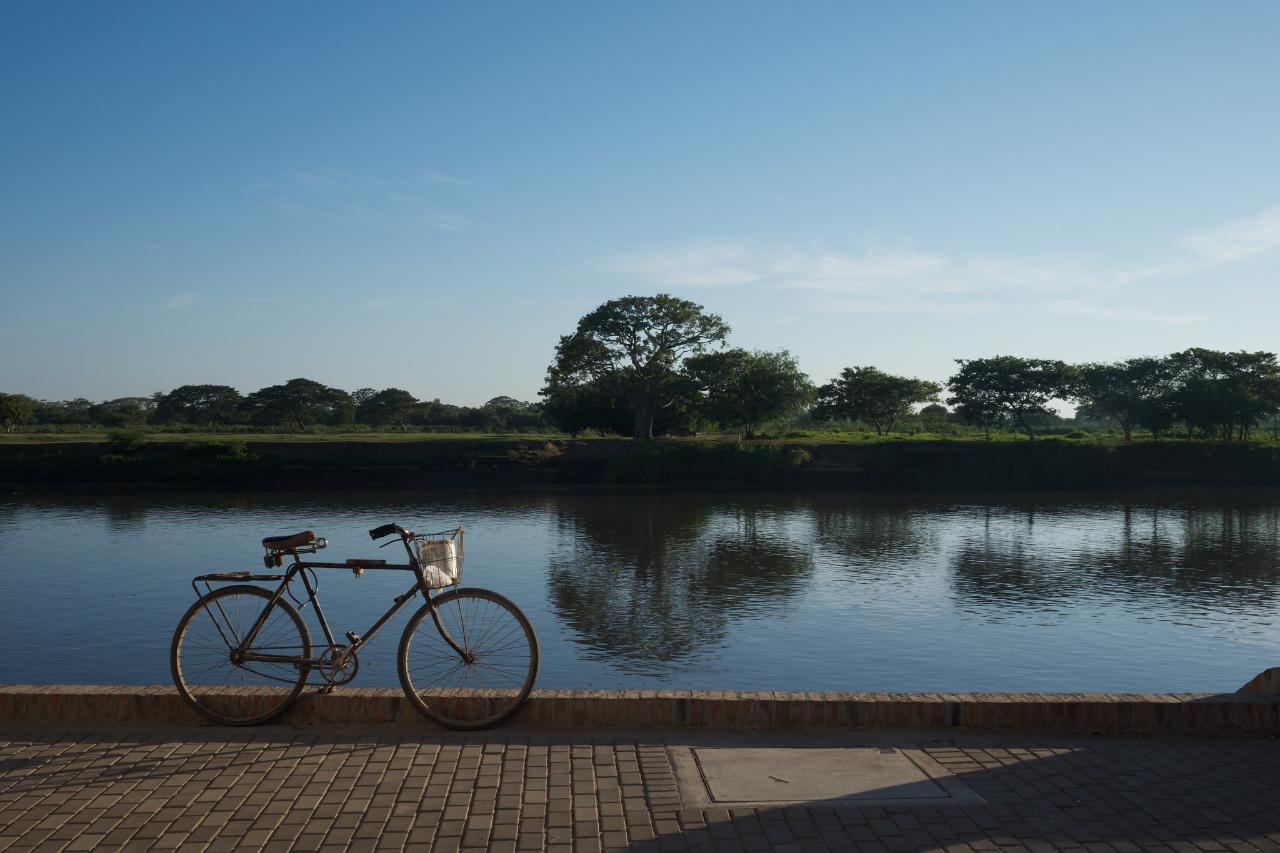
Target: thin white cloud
x=1175, y=268
x=1085, y=308
x=442, y=178
x=905, y=279
x=321, y=180
x=384, y=303
x=721, y=263
x=916, y=305
x=182, y=300
x=355, y=199
x=831, y=271
x=706, y=264
x=1236, y=241
x=442, y=221
x=991, y=273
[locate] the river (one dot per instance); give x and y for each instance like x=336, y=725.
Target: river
x=1168, y=590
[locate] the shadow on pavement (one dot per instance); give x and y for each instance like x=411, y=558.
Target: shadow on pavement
x=1042, y=792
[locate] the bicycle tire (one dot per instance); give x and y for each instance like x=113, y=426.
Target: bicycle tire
x=460, y=695
x=206, y=681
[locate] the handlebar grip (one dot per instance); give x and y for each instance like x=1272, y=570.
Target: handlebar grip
x=384, y=530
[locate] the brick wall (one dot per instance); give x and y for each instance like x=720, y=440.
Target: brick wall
x=641, y=709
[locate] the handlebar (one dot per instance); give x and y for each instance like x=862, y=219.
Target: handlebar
x=386, y=530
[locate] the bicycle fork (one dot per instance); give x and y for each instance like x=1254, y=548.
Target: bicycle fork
x=464, y=653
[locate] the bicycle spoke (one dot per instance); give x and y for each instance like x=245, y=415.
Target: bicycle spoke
x=204, y=656
x=490, y=681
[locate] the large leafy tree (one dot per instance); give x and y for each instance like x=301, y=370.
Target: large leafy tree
x=633, y=347
x=124, y=411
x=1132, y=392
x=1224, y=392
x=934, y=416
x=586, y=407
x=77, y=411
x=204, y=405
x=300, y=403
x=514, y=415
x=503, y=402
x=388, y=406
x=872, y=396
x=744, y=389
x=986, y=391
x=435, y=414
x=16, y=410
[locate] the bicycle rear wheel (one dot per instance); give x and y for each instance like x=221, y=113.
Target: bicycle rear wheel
x=202, y=659
x=487, y=686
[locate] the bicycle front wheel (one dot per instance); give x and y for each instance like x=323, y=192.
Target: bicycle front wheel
x=489, y=680
x=212, y=675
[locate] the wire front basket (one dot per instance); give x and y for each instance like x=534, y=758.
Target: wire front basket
x=441, y=555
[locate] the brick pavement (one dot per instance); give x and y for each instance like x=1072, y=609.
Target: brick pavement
x=277, y=788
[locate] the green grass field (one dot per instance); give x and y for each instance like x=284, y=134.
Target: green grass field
x=807, y=437
x=278, y=437
x=860, y=460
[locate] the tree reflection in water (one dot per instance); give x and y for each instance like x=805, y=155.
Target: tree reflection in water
x=876, y=538
x=1161, y=590
x=1207, y=551
x=645, y=581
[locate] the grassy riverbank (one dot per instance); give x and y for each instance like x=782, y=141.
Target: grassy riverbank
x=417, y=460
x=311, y=437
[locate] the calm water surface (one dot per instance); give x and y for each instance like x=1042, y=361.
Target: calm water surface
x=1172, y=590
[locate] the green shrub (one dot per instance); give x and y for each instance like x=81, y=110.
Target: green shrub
x=124, y=442
x=221, y=451
x=798, y=457
x=533, y=454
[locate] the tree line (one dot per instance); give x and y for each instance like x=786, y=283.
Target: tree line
x=658, y=365
x=649, y=366
x=298, y=404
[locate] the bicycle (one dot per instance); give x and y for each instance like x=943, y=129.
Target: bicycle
x=472, y=669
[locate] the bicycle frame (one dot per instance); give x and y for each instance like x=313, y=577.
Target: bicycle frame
x=239, y=646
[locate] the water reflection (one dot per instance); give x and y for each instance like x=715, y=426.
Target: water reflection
x=880, y=536
x=654, y=579
x=123, y=514
x=1171, y=590
x=1215, y=550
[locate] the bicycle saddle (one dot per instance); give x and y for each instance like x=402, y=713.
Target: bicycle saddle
x=285, y=543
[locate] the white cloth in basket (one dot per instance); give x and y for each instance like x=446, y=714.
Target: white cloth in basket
x=439, y=562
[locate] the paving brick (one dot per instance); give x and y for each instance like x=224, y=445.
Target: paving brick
x=384, y=788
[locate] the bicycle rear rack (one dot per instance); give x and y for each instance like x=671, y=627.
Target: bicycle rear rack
x=225, y=577
x=238, y=576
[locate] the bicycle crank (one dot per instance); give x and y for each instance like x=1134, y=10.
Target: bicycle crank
x=338, y=665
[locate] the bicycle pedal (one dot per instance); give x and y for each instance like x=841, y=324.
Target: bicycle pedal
x=353, y=638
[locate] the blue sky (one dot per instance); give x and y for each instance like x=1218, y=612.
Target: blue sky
x=427, y=196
